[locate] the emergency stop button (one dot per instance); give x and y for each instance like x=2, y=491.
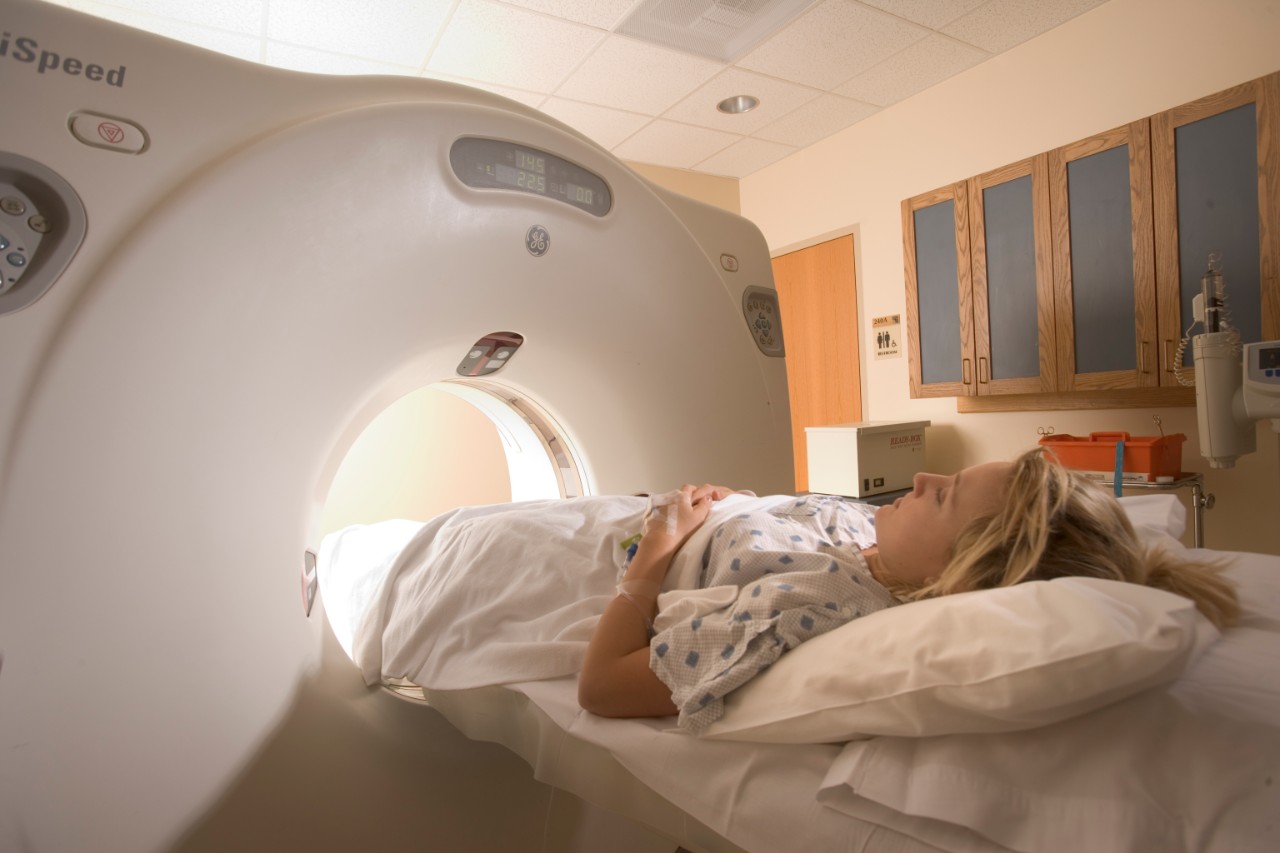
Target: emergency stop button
x=110, y=132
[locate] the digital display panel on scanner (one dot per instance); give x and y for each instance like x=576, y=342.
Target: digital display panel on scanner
x=497, y=164
x=1269, y=358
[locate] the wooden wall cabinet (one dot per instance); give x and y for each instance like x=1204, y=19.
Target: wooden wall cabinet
x=935, y=226
x=1067, y=278
x=1012, y=275
x=1216, y=183
x=980, y=285
x=1104, y=261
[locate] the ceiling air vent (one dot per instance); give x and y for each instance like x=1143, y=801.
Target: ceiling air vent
x=718, y=29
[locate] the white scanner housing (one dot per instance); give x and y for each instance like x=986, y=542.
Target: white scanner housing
x=237, y=270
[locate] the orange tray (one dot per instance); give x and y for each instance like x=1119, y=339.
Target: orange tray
x=1146, y=458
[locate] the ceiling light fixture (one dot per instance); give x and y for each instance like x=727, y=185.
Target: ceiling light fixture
x=722, y=30
x=738, y=104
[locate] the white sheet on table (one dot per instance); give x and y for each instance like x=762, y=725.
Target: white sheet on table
x=1191, y=766
x=511, y=592
x=351, y=566
x=762, y=797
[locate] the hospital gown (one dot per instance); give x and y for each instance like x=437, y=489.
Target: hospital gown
x=800, y=571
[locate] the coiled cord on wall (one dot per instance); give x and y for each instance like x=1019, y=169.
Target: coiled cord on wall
x=1224, y=322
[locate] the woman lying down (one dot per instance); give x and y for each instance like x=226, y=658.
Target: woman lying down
x=811, y=565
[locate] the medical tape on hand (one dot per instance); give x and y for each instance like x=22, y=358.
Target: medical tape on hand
x=661, y=507
x=670, y=516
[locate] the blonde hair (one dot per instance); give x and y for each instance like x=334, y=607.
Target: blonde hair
x=1056, y=522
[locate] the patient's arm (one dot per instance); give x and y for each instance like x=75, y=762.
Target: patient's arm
x=616, y=680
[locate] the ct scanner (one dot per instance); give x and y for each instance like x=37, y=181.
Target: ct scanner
x=216, y=274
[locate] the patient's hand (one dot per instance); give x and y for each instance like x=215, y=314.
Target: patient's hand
x=676, y=515
x=717, y=493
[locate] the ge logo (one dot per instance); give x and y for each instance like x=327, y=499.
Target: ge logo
x=537, y=241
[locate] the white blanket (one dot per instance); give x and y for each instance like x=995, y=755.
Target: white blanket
x=507, y=593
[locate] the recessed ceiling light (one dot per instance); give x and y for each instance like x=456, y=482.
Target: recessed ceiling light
x=738, y=104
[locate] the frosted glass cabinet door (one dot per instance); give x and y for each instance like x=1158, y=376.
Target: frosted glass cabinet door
x=1104, y=264
x=939, y=302
x=1012, y=279
x=1216, y=182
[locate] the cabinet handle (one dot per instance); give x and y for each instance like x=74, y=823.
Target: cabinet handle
x=964, y=371
x=1167, y=356
x=982, y=371
x=1142, y=357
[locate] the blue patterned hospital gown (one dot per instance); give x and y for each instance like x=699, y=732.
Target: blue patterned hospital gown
x=801, y=573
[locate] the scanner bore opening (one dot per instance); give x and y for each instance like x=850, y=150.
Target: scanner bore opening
x=449, y=444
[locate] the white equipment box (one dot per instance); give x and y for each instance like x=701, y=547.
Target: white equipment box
x=866, y=458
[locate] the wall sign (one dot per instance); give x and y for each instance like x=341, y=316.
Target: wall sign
x=887, y=333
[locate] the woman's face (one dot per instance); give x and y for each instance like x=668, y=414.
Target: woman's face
x=915, y=534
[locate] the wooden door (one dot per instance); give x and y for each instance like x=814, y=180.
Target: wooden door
x=818, y=297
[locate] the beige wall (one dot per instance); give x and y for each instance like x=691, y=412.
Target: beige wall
x=1122, y=61
x=721, y=192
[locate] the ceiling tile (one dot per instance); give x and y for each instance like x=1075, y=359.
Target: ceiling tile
x=529, y=99
x=239, y=45
x=929, y=13
x=401, y=34
x=606, y=126
x=831, y=66
x=777, y=98
x=831, y=43
x=646, y=78
x=510, y=46
x=744, y=157
x=295, y=58
x=913, y=70
x=595, y=13
x=1002, y=24
x=237, y=16
x=816, y=120
x=666, y=143
x=229, y=44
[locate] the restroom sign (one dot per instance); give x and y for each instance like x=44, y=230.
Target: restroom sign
x=886, y=333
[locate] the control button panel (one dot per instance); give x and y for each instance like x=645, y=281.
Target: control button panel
x=42, y=224
x=1262, y=360
x=109, y=132
x=1261, y=386
x=490, y=354
x=19, y=242
x=764, y=320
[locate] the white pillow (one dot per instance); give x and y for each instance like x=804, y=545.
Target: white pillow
x=990, y=661
x=1160, y=514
